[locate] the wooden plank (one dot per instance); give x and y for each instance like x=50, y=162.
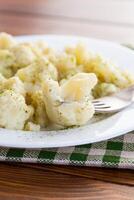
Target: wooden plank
x=31, y=24
x=19, y=182
x=104, y=11
x=121, y=176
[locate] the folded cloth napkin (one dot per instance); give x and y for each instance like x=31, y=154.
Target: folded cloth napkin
x=117, y=153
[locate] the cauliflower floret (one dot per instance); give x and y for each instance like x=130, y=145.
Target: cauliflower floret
x=33, y=48
x=41, y=48
x=98, y=66
x=13, y=110
x=51, y=54
x=66, y=64
x=30, y=126
x=6, y=61
x=23, y=56
x=80, y=52
x=40, y=116
x=68, y=108
x=38, y=47
x=104, y=89
x=121, y=79
x=6, y=58
x=78, y=87
x=42, y=45
x=7, y=72
x=37, y=71
x=107, y=72
x=28, y=74
x=6, y=41
x=2, y=78
x=70, y=113
x=14, y=84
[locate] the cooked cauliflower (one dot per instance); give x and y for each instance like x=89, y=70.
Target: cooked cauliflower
x=41, y=45
x=104, y=89
x=6, y=62
x=107, y=72
x=6, y=58
x=78, y=87
x=50, y=54
x=37, y=71
x=70, y=107
x=44, y=88
x=6, y=41
x=80, y=52
x=23, y=56
x=14, y=84
x=2, y=78
x=66, y=65
x=30, y=126
x=13, y=110
x=40, y=115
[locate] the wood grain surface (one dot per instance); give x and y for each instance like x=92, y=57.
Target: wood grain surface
x=29, y=181
x=107, y=19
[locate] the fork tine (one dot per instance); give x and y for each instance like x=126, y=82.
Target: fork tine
x=98, y=104
x=102, y=111
x=102, y=107
x=95, y=101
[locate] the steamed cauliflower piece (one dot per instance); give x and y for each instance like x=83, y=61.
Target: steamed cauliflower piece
x=13, y=110
x=14, y=84
x=78, y=87
x=80, y=52
x=33, y=75
x=107, y=72
x=2, y=78
x=70, y=107
x=40, y=115
x=104, y=89
x=35, y=72
x=6, y=58
x=30, y=126
x=6, y=41
x=6, y=61
x=66, y=65
x=23, y=56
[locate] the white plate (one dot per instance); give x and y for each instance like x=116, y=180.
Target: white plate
x=113, y=126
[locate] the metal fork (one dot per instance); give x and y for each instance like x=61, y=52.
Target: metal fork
x=116, y=102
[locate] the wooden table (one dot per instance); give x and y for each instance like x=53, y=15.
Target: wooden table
x=107, y=19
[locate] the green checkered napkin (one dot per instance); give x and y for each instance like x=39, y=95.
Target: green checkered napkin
x=117, y=152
